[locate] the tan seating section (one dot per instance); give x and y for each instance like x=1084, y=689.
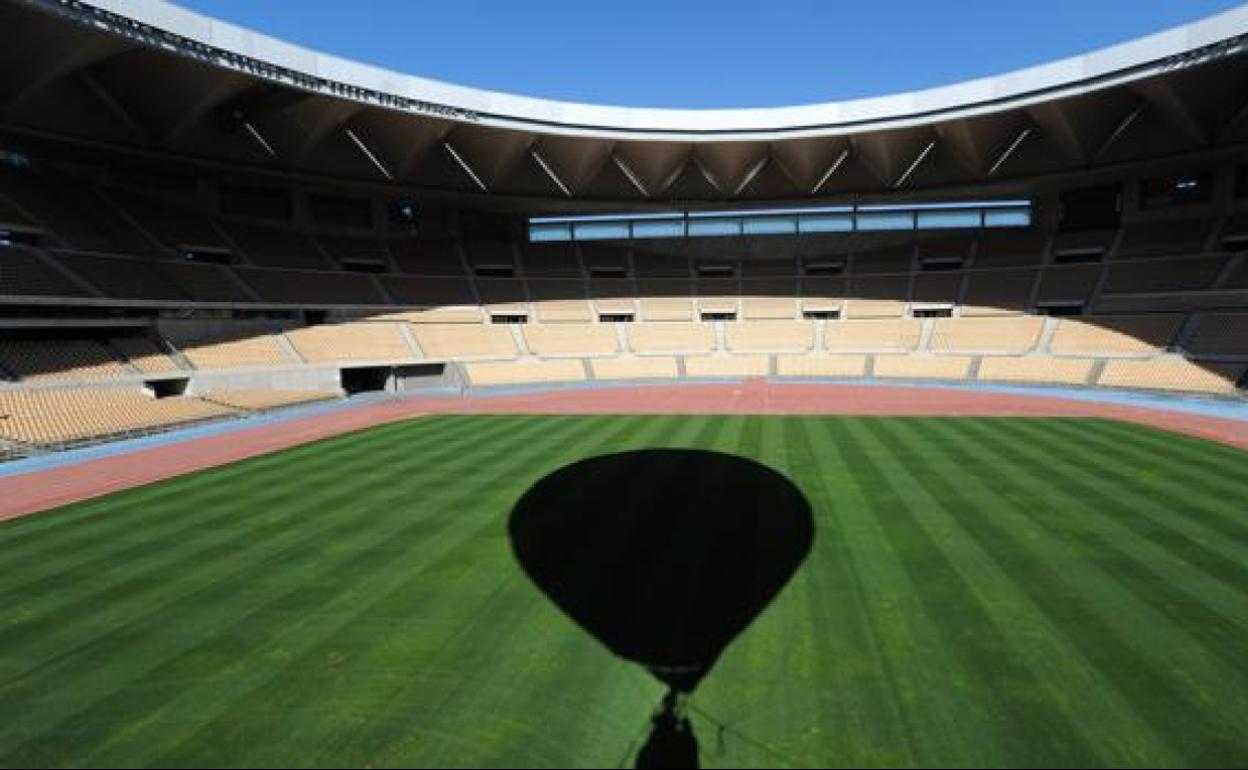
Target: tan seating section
x=821, y=365
x=143, y=354
x=364, y=341
x=43, y=417
x=872, y=336
x=484, y=374
x=922, y=367
x=1171, y=373
x=1037, y=369
x=571, y=339
x=671, y=337
x=261, y=400
x=464, y=341
x=1013, y=335
x=1115, y=335
x=634, y=368
x=727, y=366
x=40, y=360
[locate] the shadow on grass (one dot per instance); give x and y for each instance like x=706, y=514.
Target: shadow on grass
x=664, y=556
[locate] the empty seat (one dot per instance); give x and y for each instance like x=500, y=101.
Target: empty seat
x=1171, y=373
x=1013, y=335
x=364, y=341
x=60, y=359
x=1037, y=369
x=461, y=341
x=144, y=355
x=769, y=336
x=922, y=367
x=671, y=337
x=873, y=336
x=486, y=373
x=634, y=368
x=727, y=366
x=24, y=273
x=571, y=339
x=821, y=365
x=1221, y=334
x=998, y=292
x=263, y=400
x=1115, y=335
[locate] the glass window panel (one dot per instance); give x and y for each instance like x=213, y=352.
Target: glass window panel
x=1007, y=218
x=599, y=231
x=540, y=233
x=886, y=220
x=770, y=226
x=826, y=223
x=939, y=220
x=663, y=228
x=714, y=227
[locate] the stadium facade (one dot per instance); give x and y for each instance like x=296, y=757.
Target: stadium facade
x=198, y=221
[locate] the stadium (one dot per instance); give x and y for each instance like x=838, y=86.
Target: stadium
x=354, y=418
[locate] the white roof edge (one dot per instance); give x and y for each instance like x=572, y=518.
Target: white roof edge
x=1119, y=63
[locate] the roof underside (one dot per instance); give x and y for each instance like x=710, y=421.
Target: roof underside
x=72, y=70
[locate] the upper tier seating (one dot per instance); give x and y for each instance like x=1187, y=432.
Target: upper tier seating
x=25, y=273
x=144, y=355
x=38, y=360
x=250, y=345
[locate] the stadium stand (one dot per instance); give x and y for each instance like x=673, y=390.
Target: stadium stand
x=1016, y=335
x=144, y=355
x=1116, y=335
x=671, y=337
x=1171, y=373
x=571, y=339
x=464, y=341
x=872, y=336
x=265, y=400
x=1221, y=334
x=487, y=373
x=1037, y=369
x=249, y=345
x=38, y=360
x=634, y=368
x=922, y=367
x=821, y=365
x=68, y=416
x=376, y=341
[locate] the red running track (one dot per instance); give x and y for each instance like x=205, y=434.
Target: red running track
x=27, y=493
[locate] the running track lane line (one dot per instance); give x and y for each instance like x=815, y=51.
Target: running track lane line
x=26, y=493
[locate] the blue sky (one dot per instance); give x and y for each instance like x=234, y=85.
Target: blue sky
x=669, y=53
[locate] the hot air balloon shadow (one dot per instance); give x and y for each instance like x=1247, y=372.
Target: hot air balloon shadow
x=665, y=556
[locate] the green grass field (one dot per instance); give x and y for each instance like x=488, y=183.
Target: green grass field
x=981, y=592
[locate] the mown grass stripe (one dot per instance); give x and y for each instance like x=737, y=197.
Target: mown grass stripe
x=104, y=596
x=367, y=744
x=945, y=718
x=1200, y=534
x=1162, y=466
x=1149, y=660
x=957, y=579
x=1189, y=601
x=146, y=509
x=141, y=642
x=861, y=719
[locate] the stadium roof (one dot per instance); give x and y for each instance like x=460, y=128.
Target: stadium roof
x=156, y=77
